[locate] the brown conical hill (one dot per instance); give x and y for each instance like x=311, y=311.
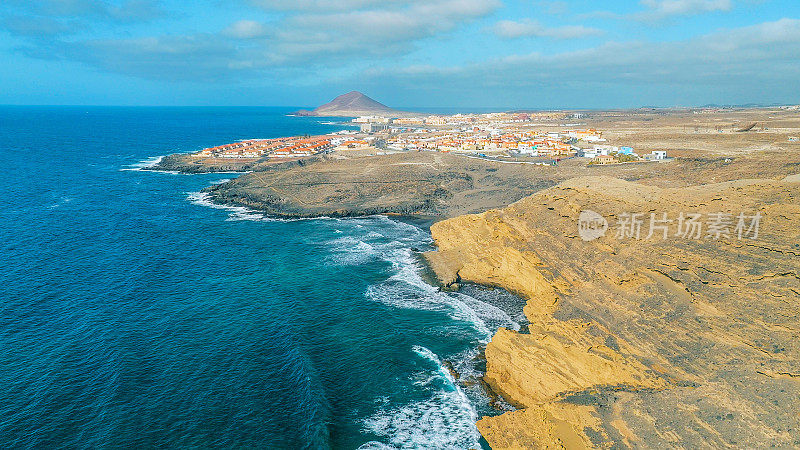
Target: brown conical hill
x=352, y=104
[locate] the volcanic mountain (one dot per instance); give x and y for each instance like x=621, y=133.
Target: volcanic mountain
x=352, y=104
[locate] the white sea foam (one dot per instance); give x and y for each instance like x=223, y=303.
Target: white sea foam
x=148, y=163
x=375, y=445
x=355, y=250
x=382, y=239
x=236, y=212
x=444, y=421
x=63, y=200
x=153, y=161
x=407, y=289
x=368, y=239
x=447, y=418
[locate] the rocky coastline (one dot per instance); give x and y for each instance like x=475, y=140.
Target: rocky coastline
x=426, y=186
x=637, y=343
x=627, y=342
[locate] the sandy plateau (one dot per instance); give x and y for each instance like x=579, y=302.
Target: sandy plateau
x=646, y=342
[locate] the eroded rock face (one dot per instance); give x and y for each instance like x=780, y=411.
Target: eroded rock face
x=650, y=342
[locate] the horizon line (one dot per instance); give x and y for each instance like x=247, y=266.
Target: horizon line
x=420, y=108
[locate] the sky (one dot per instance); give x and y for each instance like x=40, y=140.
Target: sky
x=506, y=54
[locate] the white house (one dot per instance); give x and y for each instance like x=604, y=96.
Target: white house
x=527, y=148
x=656, y=155
x=593, y=138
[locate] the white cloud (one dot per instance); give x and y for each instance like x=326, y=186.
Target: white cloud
x=659, y=9
x=335, y=44
x=35, y=26
x=245, y=29
x=322, y=5
x=46, y=19
x=514, y=29
x=552, y=6
x=301, y=39
x=199, y=57
x=390, y=27
x=380, y=25
x=759, y=58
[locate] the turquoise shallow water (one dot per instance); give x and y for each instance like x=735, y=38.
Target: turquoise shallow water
x=135, y=314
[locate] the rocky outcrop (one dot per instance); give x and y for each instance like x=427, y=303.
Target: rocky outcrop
x=424, y=184
x=640, y=342
x=187, y=163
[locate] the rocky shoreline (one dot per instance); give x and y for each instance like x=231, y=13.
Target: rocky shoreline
x=425, y=185
x=631, y=343
x=634, y=343
x=187, y=163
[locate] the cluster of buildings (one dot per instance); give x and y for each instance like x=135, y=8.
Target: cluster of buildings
x=605, y=150
x=607, y=154
x=494, y=134
x=351, y=144
x=494, y=140
x=291, y=147
x=507, y=133
x=367, y=122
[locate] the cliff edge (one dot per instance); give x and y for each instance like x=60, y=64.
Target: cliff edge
x=657, y=342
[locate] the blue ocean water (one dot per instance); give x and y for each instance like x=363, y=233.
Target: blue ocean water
x=136, y=314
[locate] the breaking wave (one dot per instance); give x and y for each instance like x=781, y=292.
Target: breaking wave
x=446, y=420
x=407, y=289
x=145, y=164
x=235, y=212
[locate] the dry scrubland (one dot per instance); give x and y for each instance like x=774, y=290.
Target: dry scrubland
x=632, y=343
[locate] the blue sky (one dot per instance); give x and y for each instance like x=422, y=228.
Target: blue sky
x=405, y=53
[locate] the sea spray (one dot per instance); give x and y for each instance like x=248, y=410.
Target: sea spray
x=445, y=420
x=144, y=164
x=407, y=289
x=236, y=212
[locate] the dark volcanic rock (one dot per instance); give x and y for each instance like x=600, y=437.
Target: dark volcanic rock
x=413, y=184
x=189, y=164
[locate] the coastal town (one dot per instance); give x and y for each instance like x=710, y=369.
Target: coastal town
x=513, y=137
x=614, y=226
